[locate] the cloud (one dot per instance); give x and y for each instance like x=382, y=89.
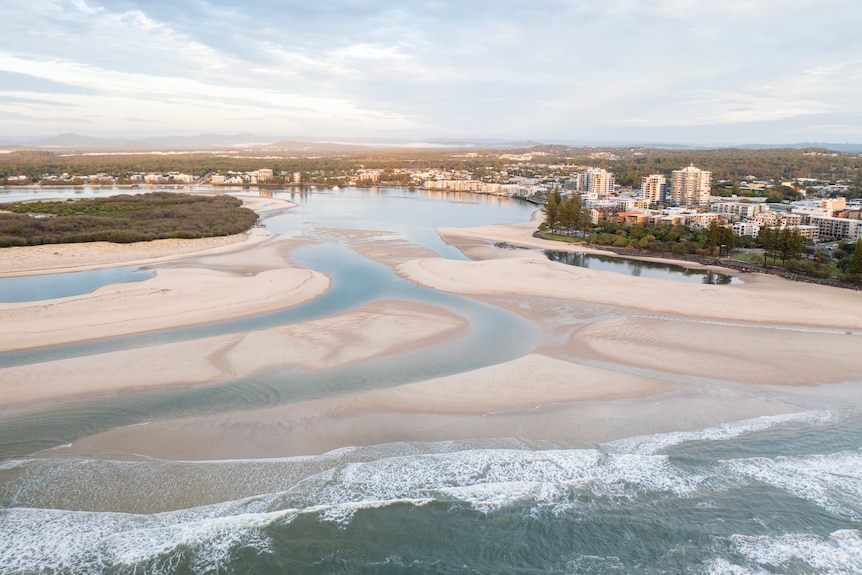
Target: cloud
x=19, y=82
x=436, y=68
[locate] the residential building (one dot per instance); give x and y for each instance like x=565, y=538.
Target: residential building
x=809, y=232
x=838, y=227
x=690, y=187
x=701, y=219
x=738, y=210
x=600, y=182
x=654, y=189
x=746, y=228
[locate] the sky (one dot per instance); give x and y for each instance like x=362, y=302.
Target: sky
x=697, y=72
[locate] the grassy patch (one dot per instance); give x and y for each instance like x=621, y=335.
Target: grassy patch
x=747, y=257
x=561, y=238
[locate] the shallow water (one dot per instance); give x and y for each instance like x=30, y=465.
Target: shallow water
x=778, y=494
x=639, y=268
x=50, y=286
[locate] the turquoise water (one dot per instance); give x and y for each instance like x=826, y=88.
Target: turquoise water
x=778, y=494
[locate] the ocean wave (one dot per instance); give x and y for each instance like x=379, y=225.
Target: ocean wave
x=651, y=444
x=839, y=553
x=43, y=540
x=483, y=480
x=722, y=566
x=831, y=481
x=489, y=479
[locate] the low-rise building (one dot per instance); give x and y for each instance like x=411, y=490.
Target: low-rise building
x=839, y=228
x=738, y=210
x=746, y=228
x=702, y=219
x=809, y=232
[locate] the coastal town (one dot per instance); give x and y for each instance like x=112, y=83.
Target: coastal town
x=803, y=223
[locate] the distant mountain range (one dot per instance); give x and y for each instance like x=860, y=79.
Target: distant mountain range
x=210, y=142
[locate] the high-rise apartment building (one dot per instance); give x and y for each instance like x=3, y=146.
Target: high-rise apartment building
x=600, y=182
x=654, y=189
x=690, y=187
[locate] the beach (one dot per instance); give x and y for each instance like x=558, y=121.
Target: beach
x=659, y=338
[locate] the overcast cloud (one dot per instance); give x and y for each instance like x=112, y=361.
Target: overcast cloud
x=676, y=71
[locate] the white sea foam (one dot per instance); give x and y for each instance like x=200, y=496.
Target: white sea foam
x=343, y=513
x=721, y=566
x=650, y=444
x=832, y=481
x=482, y=479
x=74, y=541
x=490, y=479
x=840, y=553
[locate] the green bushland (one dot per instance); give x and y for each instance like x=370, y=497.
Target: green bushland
x=123, y=219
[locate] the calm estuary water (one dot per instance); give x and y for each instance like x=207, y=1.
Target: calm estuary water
x=779, y=494
x=639, y=268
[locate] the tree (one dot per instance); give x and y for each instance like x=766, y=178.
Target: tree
x=790, y=244
x=568, y=216
x=586, y=220
x=552, y=213
x=726, y=240
x=856, y=261
x=713, y=237
x=768, y=240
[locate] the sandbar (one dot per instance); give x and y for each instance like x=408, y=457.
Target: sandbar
x=761, y=299
x=378, y=328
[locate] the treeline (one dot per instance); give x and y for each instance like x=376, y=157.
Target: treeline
x=784, y=243
x=629, y=165
x=123, y=219
x=565, y=215
x=678, y=239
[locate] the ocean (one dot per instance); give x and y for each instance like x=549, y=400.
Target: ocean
x=779, y=494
